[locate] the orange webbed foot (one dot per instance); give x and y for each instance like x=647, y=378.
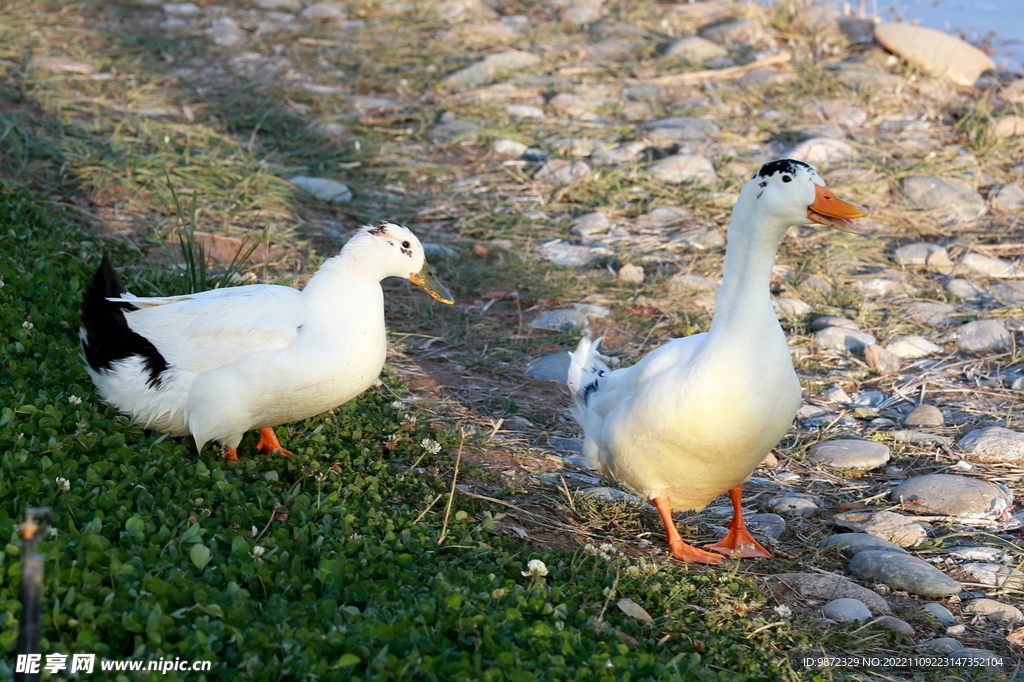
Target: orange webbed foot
x=230, y=454
x=268, y=443
x=680, y=550
x=738, y=543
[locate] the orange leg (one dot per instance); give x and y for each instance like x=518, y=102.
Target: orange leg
x=738, y=543
x=681, y=550
x=230, y=454
x=268, y=443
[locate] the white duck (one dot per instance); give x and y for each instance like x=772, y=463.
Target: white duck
x=219, y=363
x=693, y=418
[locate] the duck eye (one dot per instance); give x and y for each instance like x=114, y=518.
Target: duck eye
x=405, y=245
x=786, y=178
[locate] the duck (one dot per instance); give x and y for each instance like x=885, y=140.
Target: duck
x=219, y=363
x=693, y=418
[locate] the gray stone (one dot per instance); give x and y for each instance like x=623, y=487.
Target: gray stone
x=794, y=504
x=932, y=313
x=1009, y=293
x=933, y=193
x=590, y=224
x=664, y=216
x=868, y=399
x=790, y=308
x=994, y=575
x=901, y=571
x=565, y=444
x=766, y=525
x=571, y=255
x=941, y=614
x=224, y=31
x=850, y=454
x=817, y=20
x=924, y=415
x=912, y=347
x=993, y=663
x=684, y=168
x=683, y=128
x=180, y=8
x=456, y=131
x=822, y=151
x=851, y=544
x=950, y=495
x=846, y=610
x=695, y=49
x=964, y=289
x=857, y=31
x=884, y=524
x=993, y=444
x=554, y=367
x=819, y=586
x=765, y=77
x=981, y=553
x=524, y=111
x=572, y=146
x=324, y=11
x=330, y=129
x=562, y=171
x=984, y=336
x=631, y=273
x=993, y=610
x=740, y=31
x=278, y=4
x=934, y=52
x=836, y=394
x=328, y=191
x=1008, y=126
x=582, y=12
x=898, y=625
x=610, y=495
x=818, y=284
x=843, y=339
x=685, y=281
x=920, y=438
x=561, y=320
x=881, y=361
x=931, y=256
x=880, y=287
x=987, y=266
x=490, y=68
x=1008, y=198
x=508, y=147
x=643, y=92
x=832, y=321
x=620, y=154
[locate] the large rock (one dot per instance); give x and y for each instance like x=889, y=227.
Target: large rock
x=850, y=454
x=822, y=151
x=826, y=587
x=948, y=495
x=740, y=31
x=934, y=52
x=912, y=347
x=984, y=336
x=993, y=444
x=843, y=339
x=852, y=544
x=901, y=571
x=934, y=193
x=563, y=171
x=684, y=169
x=884, y=524
x=930, y=256
x=324, y=189
x=683, y=128
x=695, y=49
x=990, y=266
x=490, y=68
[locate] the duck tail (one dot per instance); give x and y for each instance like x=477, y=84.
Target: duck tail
x=585, y=372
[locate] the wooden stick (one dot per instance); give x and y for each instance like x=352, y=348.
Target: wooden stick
x=693, y=77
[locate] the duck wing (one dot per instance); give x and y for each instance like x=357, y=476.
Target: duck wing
x=200, y=332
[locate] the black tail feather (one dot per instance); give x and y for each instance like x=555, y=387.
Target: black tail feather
x=106, y=334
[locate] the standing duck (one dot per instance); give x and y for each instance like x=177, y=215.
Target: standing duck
x=693, y=418
x=219, y=363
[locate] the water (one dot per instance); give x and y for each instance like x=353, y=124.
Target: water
x=997, y=26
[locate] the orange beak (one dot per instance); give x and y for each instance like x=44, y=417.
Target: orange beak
x=829, y=210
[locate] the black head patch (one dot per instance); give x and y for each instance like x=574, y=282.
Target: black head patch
x=379, y=230
x=781, y=166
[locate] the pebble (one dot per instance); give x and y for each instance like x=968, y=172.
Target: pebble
x=952, y=495
x=695, y=49
x=1009, y=126
x=490, y=68
x=850, y=454
x=684, y=168
x=934, y=52
x=1007, y=198
x=561, y=320
x=924, y=415
x=836, y=394
x=920, y=438
x=794, y=504
x=898, y=625
x=180, y=8
x=70, y=65
x=456, y=131
x=912, y=347
x=1009, y=293
x=989, y=266
x=981, y=553
x=631, y=273
x=790, y=308
x=831, y=321
x=507, y=147
x=745, y=31
x=582, y=12
x=766, y=77
x=978, y=657
x=932, y=313
x=590, y=224
x=930, y=256
x=818, y=284
x=901, y=571
x=846, y=610
x=683, y=128
x=993, y=610
x=822, y=151
x=554, y=367
x=766, y=525
x=324, y=11
x=562, y=171
x=324, y=189
x=570, y=255
x=685, y=281
x=610, y=495
x=820, y=586
x=994, y=575
x=224, y=31
x=941, y=614
x=880, y=287
x=851, y=544
x=884, y=524
x=943, y=645
x=964, y=289
x=565, y=444
x=984, y=336
x=993, y=444
x=956, y=629
x=932, y=193
x=843, y=339
x=881, y=361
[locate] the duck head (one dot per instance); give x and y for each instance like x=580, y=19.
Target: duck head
x=790, y=192
x=396, y=251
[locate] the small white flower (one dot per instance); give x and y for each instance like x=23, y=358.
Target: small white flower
x=608, y=592
x=536, y=569
x=63, y=484
x=392, y=438
x=257, y=552
x=53, y=532
x=430, y=445
x=633, y=571
x=27, y=325
x=589, y=549
x=608, y=548
x=377, y=383
x=783, y=611
x=398, y=406
x=498, y=593
x=74, y=400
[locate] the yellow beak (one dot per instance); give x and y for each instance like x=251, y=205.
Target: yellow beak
x=425, y=278
x=829, y=210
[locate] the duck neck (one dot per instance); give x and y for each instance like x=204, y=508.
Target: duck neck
x=744, y=301
x=338, y=283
